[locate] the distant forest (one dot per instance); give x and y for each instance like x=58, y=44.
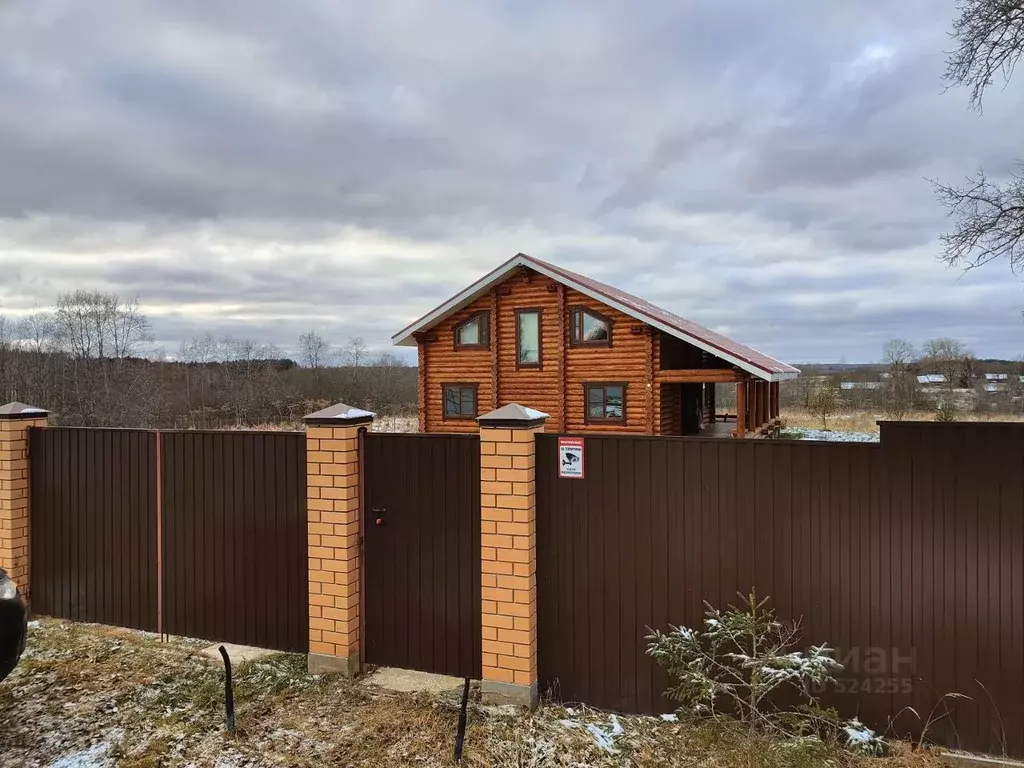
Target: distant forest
x=87, y=360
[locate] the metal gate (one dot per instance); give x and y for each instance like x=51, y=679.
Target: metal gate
x=421, y=603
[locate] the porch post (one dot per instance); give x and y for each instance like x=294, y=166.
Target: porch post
x=16, y=419
x=741, y=409
x=334, y=516
x=762, y=401
x=508, y=548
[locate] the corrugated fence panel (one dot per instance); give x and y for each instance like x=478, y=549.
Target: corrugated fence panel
x=235, y=537
x=905, y=557
x=421, y=605
x=93, y=526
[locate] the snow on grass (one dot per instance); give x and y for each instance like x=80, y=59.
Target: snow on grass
x=93, y=757
x=603, y=737
x=830, y=436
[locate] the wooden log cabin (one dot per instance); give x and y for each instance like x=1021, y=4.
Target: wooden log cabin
x=594, y=358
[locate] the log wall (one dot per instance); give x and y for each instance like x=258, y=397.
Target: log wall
x=558, y=386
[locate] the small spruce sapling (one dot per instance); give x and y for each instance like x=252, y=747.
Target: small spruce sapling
x=946, y=411
x=739, y=661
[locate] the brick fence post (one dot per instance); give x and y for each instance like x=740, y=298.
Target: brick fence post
x=16, y=419
x=335, y=543
x=508, y=539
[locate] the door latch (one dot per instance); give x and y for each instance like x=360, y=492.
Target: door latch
x=379, y=515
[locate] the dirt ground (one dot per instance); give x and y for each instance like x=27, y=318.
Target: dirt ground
x=96, y=696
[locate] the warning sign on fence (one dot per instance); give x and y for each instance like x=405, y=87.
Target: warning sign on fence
x=570, y=457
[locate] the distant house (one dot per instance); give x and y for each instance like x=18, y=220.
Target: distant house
x=848, y=385
x=997, y=377
x=591, y=356
x=931, y=378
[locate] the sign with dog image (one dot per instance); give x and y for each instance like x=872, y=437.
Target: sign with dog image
x=570, y=457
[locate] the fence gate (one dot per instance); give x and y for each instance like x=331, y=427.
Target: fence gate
x=421, y=602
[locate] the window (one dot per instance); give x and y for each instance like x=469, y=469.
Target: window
x=528, y=352
x=605, y=402
x=472, y=333
x=589, y=328
x=459, y=401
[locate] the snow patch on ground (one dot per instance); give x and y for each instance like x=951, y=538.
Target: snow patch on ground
x=603, y=737
x=93, y=757
x=830, y=436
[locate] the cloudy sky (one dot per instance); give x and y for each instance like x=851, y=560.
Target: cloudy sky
x=261, y=168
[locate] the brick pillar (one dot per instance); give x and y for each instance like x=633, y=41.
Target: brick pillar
x=508, y=538
x=15, y=421
x=335, y=543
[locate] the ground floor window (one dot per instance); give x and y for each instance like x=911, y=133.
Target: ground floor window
x=605, y=402
x=460, y=401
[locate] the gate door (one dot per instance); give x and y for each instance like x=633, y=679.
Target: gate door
x=422, y=552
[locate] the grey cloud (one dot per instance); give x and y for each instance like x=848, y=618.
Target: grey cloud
x=222, y=159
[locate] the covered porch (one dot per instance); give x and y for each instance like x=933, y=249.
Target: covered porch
x=688, y=400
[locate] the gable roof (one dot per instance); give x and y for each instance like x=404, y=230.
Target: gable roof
x=743, y=357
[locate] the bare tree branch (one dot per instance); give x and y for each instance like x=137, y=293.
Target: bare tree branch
x=988, y=221
x=990, y=34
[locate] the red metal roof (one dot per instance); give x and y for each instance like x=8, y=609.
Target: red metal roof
x=744, y=357
x=646, y=309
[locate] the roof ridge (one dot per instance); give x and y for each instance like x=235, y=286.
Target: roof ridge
x=613, y=292
x=638, y=307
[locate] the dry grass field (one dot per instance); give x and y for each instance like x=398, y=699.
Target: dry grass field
x=867, y=421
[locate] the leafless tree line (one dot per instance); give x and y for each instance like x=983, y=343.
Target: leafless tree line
x=897, y=390
x=90, y=361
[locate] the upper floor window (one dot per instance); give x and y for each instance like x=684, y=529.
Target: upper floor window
x=588, y=327
x=472, y=333
x=528, y=341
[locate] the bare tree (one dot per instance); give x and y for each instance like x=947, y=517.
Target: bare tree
x=95, y=324
x=825, y=403
x=36, y=332
x=899, y=356
x=129, y=328
x=948, y=357
x=990, y=37
x=314, y=351
x=988, y=221
x=988, y=216
x=356, y=352
x=249, y=369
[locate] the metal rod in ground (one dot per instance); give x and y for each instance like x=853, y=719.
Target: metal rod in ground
x=229, y=693
x=460, y=737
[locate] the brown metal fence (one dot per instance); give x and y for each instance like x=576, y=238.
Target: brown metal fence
x=93, y=525
x=422, y=562
x=906, y=557
x=219, y=554
x=235, y=538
